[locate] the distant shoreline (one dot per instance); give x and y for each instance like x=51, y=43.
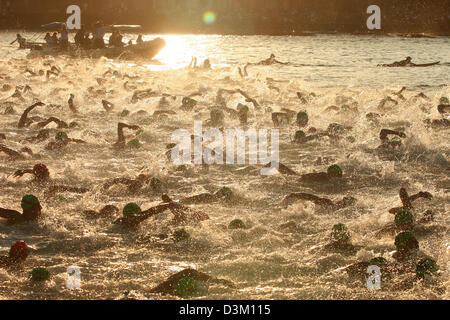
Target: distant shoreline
x=416, y=35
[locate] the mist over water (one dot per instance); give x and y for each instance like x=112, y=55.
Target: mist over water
x=266, y=261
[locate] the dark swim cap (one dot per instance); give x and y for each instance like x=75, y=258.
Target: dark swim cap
x=299, y=135
x=181, y=235
x=29, y=201
x=302, y=115
x=335, y=170
x=236, y=224
x=19, y=250
x=130, y=209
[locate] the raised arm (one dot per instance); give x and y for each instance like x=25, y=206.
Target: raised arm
x=23, y=119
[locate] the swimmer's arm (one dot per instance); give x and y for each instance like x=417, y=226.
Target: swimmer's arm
x=23, y=118
x=421, y=194
x=199, y=198
x=10, y=214
x=20, y=173
x=61, y=124
x=13, y=154
x=385, y=132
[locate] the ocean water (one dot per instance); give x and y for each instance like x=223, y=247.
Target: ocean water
x=266, y=261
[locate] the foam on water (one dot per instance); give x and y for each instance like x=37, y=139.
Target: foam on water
x=265, y=260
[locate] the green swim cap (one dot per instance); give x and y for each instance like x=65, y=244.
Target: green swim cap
x=216, y=115
x=335, y=128
x=226, y=192
x=135, y=143
x=405, y=241
x=340, y=233
x=349, y=200
x=299, y=135
x=171, y=145
x=403, y=218
x=242, y=108
x=181, y=235
x=334, y=170
x=155, y=183
x=236, y=224
x=302, y=115
x=39, y=274
x=28, y=201
x=186, y=287
x=44, y=133
x=378, y=261
x=74, y=124
x=130, y=209
x=426, y=266
x=125, y=113
x=61, y=135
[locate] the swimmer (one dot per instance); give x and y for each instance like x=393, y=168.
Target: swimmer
x=121, y=142
x=269, y=61
x=341, y=241
x=407, y=200
x=108, y=106
x=323, y=202
x=243, y=74
x=384, y=133
x=205, y=198
x=61, y=141
x=333, y=172
x=60, y=124
x=31, y=211
x=23, y=121
x=133, y=185
x=205, y=66
x=71, y=104
x=17, y=255
x=383, y=102
x=171, y=285
x=142, y=94
x=39, y=171
x=15, y=155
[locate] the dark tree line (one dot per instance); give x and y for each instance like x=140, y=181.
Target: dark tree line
x=237, y=16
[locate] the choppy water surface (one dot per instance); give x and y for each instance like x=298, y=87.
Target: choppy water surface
x=265, y=260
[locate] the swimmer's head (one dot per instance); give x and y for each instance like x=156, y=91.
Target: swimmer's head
x=340, y=233
x=61, y=136
x=334, y=171
x=19, y=251
x=272, y=55
x=444, y=100
x=299, y=136
x=408, y=58
x=131, y=209
x=41, y=172
x=406, y=241
x=225, y=192
x=404, y=219
x=426, y=266
x=207, y=64
x=302, y=118
x=29, y=202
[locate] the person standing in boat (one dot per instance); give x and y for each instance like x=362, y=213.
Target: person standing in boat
x=80, y=37
x=54, y=38
x=99, y=33
x=116, y=39
x=48, y=39
x=64, y=39
x=139, y=39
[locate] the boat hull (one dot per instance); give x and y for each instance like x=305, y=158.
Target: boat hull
x=148, y=49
